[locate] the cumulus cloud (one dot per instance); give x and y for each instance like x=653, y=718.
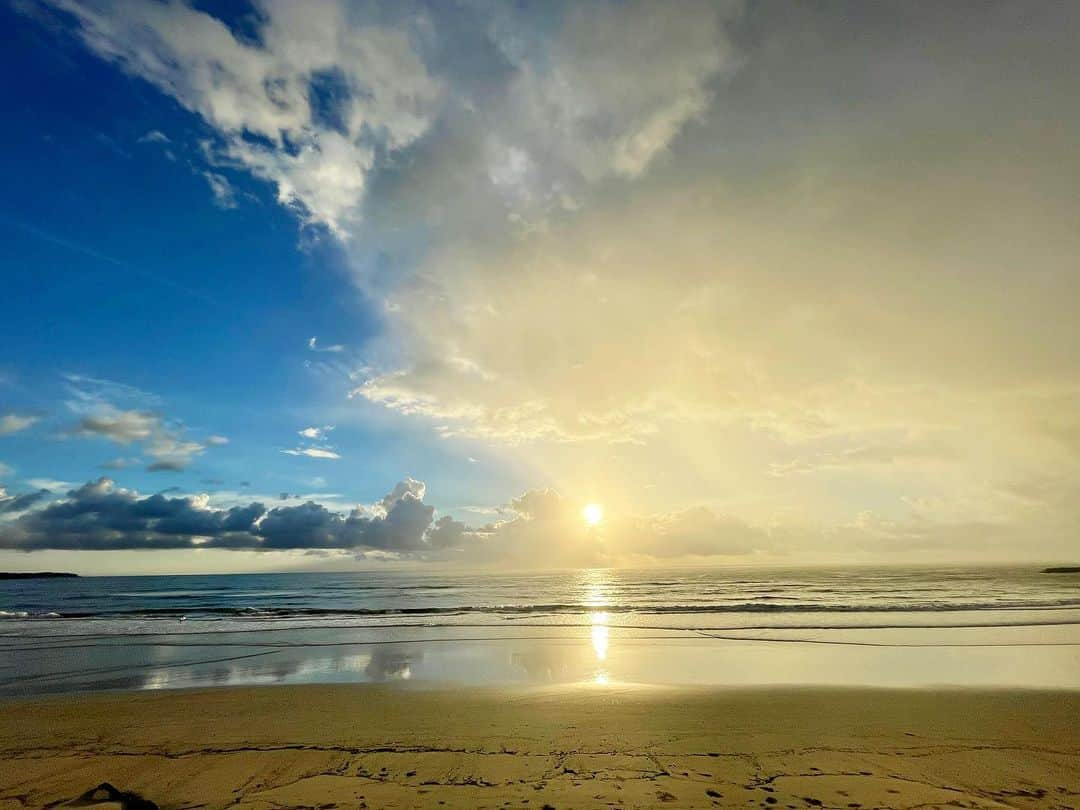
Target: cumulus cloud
x=15, y=422
x=101, y=516
x=540, y=528
x=317, y=433
x=20, y=503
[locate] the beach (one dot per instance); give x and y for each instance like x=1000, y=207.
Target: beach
x=562, y=747
x=722, y=688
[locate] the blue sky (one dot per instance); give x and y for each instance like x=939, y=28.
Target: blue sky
x=120, y=265
x=343, y=283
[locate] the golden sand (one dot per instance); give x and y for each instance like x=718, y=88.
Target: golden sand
x=373, y=746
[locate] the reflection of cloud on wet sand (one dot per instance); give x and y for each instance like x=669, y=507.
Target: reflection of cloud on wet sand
x=546, y=662
x=392, y=664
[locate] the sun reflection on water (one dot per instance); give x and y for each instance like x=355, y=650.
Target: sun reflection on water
x=596, y=587
x=600, y=635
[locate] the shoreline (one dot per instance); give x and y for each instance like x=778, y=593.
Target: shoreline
x=1042, y=657
x=560, y=746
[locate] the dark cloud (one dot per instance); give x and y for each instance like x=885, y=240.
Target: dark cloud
x=19, y=503
x=166, y=466
x=99, y=515
x=401, y=528
x=448, y=533
x=541, y=527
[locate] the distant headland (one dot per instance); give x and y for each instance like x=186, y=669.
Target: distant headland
x=1063, y=569
x=35, y=575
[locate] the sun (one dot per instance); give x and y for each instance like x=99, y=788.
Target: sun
x=593, y=513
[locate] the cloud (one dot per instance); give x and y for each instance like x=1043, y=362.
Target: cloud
x=310, y=103
x=317, y=433
x=540, y=528
x=603, y=111
x=447, y=533
x=544, y=527
x=121, y=463
x=875, y=454
x=50, y=484
x=164, y=441
x=123, y=427
x=315, y=347
x=320, y=101
x=14, y=422
x=312, y=452
x=5, y=470
x=155, y=136
x=9, y=504
x=221, y=188
x=86, y=391
x=101, y=516
x=706, y=250
x=165, y=445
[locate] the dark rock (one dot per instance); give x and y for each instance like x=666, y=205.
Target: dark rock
x=107, y=793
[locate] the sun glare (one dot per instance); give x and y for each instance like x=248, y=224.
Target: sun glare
x=593, y=513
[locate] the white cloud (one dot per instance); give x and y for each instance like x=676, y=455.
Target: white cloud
x=312, y=452
x=155, y=136
x=171, y=453
x=259, y=97
x=315, y=347
x=221, y=188
x=51, y=484
x=217, y=441
x=5, y=470
x=14, y=422
x=317, y=433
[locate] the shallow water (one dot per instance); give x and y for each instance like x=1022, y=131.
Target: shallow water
x=888, y=627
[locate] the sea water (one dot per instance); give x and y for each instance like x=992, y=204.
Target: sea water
x=707, y=626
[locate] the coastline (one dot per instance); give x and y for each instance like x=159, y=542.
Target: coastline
x=565, y=746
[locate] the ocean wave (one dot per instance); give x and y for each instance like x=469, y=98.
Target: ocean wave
x=525, y=610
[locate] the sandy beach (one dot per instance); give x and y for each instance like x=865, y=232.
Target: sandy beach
x=559, y=747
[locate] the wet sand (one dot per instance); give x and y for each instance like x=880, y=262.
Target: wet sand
x=584, y=746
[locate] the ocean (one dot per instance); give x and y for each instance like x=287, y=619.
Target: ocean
x=717, y=626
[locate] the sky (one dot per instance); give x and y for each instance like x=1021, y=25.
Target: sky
x=348, y=284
